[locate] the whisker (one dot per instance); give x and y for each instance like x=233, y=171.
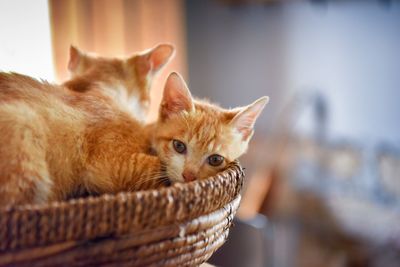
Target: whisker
x=145, y=179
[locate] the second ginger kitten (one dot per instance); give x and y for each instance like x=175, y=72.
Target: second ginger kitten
x=50, y=134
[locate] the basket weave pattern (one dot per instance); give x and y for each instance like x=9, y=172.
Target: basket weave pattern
x=180, y=225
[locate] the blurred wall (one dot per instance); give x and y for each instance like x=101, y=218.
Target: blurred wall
x=347, y=50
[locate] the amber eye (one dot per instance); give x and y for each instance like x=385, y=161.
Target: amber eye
x=215, y=160
x=179, y=146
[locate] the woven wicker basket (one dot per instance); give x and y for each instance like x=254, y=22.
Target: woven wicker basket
x=180, y=225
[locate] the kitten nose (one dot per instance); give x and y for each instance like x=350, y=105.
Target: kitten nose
x=188, y=176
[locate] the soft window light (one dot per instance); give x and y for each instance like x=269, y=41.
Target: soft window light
x=25, y=40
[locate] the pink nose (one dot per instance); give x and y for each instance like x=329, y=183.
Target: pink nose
x=188, y=176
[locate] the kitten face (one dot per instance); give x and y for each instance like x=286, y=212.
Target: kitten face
x=127, y=80
x=196, y=139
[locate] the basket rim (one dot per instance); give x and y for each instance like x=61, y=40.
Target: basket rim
x=235, y=165
x=194, y=233
x=117, y=215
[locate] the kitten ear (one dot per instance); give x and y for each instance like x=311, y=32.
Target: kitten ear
x=74, y=58
x=176, y=97
x=160, y=55
x=154, y=59
x=245, y=119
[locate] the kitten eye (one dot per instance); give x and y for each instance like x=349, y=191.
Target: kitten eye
x=179, y=146
x=215, y=160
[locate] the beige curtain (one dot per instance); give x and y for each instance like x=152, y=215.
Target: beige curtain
x=118, y=28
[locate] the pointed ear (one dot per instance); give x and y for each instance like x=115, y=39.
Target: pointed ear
x=245, y=119
x=154, y=59
x=176, y=97
x=160, y=55
x=74, y=58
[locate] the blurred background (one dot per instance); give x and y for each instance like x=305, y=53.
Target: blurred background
x=323, y=169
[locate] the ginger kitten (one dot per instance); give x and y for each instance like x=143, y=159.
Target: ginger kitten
x=196, y=139
x=55, y=139
x=127, y=81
